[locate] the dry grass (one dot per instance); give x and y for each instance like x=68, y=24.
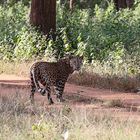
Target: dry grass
x=106, y=81
x=104, y=76
x=16, y=68
x=18, y=123
x=114, y=103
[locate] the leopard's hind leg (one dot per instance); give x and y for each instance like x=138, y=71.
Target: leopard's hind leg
x=48, y=91
x=49, y=95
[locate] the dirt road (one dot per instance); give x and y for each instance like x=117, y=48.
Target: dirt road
x=121, y=104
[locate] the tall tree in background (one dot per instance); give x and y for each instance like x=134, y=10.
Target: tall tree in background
x=71, y=5
x=43, y=15
x=68, y=3
x=123, y=3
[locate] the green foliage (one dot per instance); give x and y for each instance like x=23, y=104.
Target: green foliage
x=85, y=4
x=18, y=40
x=12, y=20
x=12, y=2
x=30, y=44
x=102, y=34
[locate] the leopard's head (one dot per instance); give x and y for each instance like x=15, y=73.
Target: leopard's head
x=76, y=62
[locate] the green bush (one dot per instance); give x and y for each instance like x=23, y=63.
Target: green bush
x=104, y=35
x=30, y=44
x=12, y=2
x=18, y=40
x=12, y=19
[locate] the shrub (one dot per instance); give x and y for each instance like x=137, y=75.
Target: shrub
x=104, y=35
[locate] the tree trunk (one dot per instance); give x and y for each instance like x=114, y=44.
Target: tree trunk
x=123, y=3
x=129, y=3
x=43, y=15
x=72, y=2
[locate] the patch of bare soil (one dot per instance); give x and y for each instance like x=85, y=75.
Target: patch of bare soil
x=119, y=104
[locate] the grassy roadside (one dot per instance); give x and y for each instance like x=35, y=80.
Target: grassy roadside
x=15, y=68
x=18, y=120
x=91, y=75
x=106, y=81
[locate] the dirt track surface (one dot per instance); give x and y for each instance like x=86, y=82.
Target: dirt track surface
x=78, y=97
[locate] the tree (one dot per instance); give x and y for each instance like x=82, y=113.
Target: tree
x=71, y=5
x=43, y=15
x=123, y=3
x=68, y=3
x=129, y=3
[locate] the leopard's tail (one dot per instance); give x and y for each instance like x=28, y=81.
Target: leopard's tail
x=33, y=87
x=35, y=83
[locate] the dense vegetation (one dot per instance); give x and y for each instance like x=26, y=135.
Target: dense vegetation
x=99, y=33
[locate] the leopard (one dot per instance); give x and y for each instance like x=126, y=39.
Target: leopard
x=44, y=75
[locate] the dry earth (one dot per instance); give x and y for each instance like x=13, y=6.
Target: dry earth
x=118, y=104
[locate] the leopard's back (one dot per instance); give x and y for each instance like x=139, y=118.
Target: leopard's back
x=50, y=72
